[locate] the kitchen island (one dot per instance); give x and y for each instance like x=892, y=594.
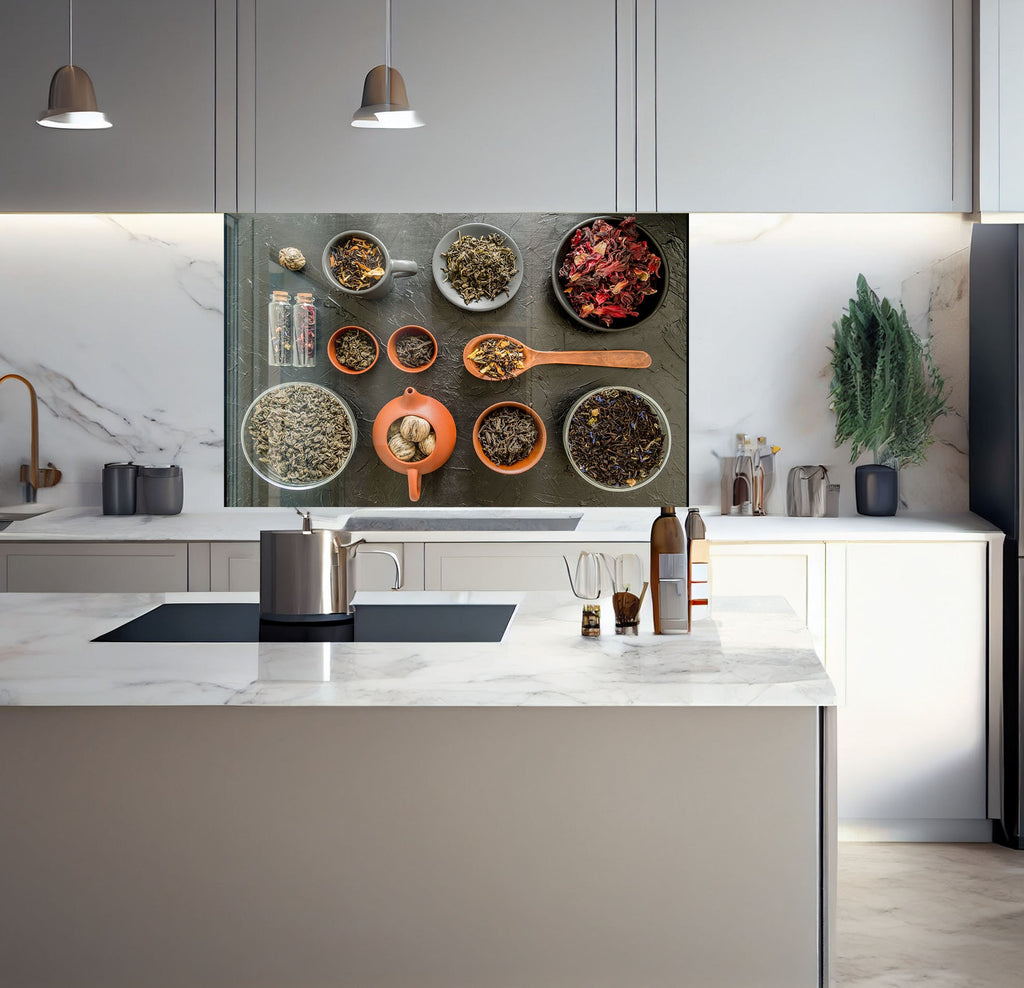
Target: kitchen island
x=544, y=810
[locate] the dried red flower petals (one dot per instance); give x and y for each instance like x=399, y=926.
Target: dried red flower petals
x=609, y=271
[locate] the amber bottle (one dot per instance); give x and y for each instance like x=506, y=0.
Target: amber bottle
x=668, y=573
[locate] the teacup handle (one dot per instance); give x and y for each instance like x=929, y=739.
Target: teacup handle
x=415, y=481
x=402, y=269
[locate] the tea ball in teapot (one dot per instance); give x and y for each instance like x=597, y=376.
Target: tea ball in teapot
x=428, y=443
x=401, y=448
x=291, y=258
x=393, y=429
x=414, y=428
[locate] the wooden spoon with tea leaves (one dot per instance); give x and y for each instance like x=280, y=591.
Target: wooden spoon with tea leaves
x=496, y=357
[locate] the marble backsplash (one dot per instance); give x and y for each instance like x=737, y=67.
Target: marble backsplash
x=118, y=322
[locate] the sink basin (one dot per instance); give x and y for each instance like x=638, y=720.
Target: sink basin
x=18, y=512
x=503, y=522
x=240, y=622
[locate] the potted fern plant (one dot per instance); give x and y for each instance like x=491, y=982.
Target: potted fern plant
x=886, y=393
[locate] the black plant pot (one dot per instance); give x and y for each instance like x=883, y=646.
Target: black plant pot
x=878, y=489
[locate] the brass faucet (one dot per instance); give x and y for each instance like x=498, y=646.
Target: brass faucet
x=30, y=477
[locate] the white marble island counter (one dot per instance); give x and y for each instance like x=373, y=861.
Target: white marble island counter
x=747, y=655
x=543, y=810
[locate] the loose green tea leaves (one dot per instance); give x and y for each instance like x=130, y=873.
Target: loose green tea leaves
x=480, y=267
x=615, y=438
x=499, y=358
x=609, y=271
x=300, y=433
x=357, y=263
x=414, y=350
x=508, y=435
x=355, y=350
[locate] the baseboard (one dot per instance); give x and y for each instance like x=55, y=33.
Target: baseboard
x=924, y=831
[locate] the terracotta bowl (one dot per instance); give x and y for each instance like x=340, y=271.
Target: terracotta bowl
x=410, y=331
x=333, y=357
x=523, y=465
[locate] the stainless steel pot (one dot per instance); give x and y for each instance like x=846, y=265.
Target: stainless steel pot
x=305, y=573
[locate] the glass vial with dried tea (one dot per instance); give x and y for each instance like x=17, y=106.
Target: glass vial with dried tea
x=304, y=330
x=668, y=574
x=279, y=321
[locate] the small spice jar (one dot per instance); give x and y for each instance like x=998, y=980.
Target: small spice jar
x=303, y=330
x=591, y=623
x=279, y=321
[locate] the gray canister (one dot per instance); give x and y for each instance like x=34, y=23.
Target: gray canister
x=119, y=488
x=159, y=491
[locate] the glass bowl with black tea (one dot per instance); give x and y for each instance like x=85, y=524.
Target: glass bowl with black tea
x=477, y=267
x=298, y=436
x=609, y=274
x=617, y=438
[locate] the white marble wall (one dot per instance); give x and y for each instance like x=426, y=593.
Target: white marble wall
x=764, y=292
x=118, y=322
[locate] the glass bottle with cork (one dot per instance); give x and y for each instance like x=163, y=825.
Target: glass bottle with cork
x=668, y=574
x=279, y=322
x=304, y=330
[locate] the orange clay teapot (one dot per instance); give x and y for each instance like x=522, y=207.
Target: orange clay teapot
x=402, y=443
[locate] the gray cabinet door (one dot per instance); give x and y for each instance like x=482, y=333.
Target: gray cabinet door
x=519, y=101
x=153, y=69
x=803, y=106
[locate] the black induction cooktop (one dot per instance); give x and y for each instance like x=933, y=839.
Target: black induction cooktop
x=240, y=622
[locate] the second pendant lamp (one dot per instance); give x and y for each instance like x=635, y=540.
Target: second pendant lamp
x=385, y=102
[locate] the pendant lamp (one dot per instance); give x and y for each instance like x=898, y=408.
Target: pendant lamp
x=72, y=104
x=385, y=103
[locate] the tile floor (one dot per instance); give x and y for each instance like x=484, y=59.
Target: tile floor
x=941, y=915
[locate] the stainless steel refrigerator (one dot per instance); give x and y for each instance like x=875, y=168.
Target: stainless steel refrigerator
x=996, y=465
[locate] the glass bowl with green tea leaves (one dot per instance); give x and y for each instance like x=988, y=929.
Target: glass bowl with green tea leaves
x=617, y=438
x=477, y=267
x=298, y=435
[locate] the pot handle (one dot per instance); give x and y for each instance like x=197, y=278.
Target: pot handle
x=394, y=558
x=415, y=482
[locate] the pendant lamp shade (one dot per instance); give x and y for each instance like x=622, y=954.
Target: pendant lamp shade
x=377, y=109
x=72, y=103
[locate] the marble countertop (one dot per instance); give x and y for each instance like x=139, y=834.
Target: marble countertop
x=752, y=652
x=595, y=525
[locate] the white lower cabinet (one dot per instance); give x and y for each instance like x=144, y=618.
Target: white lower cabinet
x=794, y=571
x=512, y=565
x=912, y=747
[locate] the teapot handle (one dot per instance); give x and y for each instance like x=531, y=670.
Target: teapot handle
x=415, y=482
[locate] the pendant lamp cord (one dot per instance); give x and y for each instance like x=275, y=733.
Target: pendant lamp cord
x=71, y=32
x=387, y=53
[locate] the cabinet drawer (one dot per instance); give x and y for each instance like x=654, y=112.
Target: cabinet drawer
x=97, y=568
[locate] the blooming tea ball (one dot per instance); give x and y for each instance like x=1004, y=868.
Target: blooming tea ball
x=291, y=258
x=428, y=443
x=401, y=448
x=415, y=428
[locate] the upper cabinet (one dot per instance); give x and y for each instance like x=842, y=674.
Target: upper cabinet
x=804, y=106
x=519, y=101
x=999, y=106
x=153, y=69
x=533, y=105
